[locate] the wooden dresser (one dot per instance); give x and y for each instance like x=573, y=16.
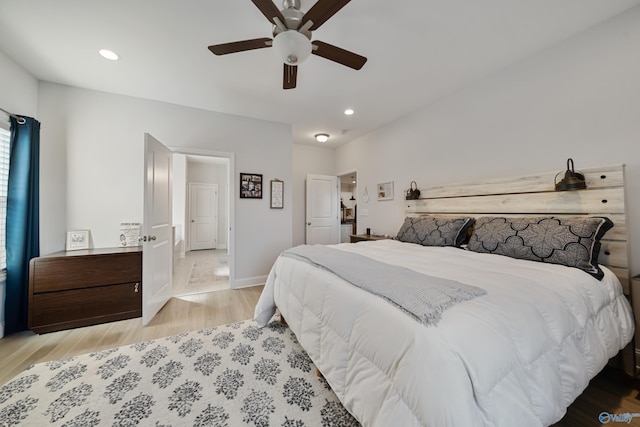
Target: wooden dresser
x=85, y=287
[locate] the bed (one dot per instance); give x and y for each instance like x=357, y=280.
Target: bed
x=517, y=353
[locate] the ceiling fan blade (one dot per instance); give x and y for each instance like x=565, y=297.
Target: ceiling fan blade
x=336, y=54
x=290, y=76
x=322, y=11
x=269, y=10
x=241, y=46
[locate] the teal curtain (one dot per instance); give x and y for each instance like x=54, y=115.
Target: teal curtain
x=23, y=219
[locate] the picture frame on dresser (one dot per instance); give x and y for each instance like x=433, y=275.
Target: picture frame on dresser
x=77, y=240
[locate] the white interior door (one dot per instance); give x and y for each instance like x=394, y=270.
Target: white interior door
x=156, y=228
x=203, y=216
x=322, y=215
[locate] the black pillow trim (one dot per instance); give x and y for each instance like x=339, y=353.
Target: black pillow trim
x=456, y=240
x=478, y=245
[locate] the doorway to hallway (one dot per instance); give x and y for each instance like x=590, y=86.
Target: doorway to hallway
x=201, y=271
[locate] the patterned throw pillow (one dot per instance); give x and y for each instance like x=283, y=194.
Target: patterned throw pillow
x=571, y=241
x=434, y=231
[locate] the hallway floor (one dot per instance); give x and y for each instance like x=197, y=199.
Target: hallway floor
x=201, y=271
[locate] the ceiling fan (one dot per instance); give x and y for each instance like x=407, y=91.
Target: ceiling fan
x=292, y=37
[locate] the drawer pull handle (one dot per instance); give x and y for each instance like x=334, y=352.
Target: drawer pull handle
x=136, y=289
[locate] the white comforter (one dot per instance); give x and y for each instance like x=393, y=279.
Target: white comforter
x=518, y=356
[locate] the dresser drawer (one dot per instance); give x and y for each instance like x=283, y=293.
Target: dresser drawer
x=50, y=274
x=54, y=311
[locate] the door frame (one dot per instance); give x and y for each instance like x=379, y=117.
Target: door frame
x=353, y=172
x=189, y=200
x=231, y=197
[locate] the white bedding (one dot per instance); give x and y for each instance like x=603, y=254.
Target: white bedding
x=519, y=355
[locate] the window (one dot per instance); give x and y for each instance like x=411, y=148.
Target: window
x=4, y=176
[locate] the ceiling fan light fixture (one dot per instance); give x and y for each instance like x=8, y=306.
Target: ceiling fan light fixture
x=292, y=47
x=321, y=137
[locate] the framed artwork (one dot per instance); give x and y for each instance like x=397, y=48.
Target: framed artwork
x=250, y=186
x=77, y=239
x=277, y=194
x=385, y=191
x=129, y=234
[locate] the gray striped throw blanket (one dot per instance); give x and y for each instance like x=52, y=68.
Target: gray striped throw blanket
x=422, y=296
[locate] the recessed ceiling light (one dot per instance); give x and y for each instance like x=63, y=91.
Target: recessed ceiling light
x=348, y=112
x=109, y=54
x=321, y=137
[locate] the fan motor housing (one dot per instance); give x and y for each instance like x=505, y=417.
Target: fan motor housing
x=292, y=17
x=288, y=4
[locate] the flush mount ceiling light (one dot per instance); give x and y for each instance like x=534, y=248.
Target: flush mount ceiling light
x=321, y=137
x=108, y=54
x=348, y=112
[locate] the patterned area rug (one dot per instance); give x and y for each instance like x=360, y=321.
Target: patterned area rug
x=231, y=375
x=206, y=271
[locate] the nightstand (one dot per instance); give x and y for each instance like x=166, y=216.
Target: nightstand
x=355, y=238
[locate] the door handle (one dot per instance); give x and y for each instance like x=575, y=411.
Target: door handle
x=152, y=238
x=147, y=238
x=308, y=223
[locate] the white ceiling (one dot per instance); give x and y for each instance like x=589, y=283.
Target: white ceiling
x=417, y=50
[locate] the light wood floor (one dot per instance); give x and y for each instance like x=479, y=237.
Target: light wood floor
x=180, y=314
x=608, y=392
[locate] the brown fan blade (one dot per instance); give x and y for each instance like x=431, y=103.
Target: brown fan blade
x=336, y=54
x=322, y=11
x=241, y=46
x=269, y=10
x=290, y=76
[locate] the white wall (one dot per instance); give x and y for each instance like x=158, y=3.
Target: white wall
x=306, y=160
x=579, y=99
x=101, y=138
x=18, y=88
x=19, y=95
x=207, y=173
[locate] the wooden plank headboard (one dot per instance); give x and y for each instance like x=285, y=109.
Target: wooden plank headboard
x=535, y=195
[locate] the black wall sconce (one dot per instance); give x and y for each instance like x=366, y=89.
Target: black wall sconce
x=572, y=180
x=412, y=193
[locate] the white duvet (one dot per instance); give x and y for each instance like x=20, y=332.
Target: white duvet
x=518, y=356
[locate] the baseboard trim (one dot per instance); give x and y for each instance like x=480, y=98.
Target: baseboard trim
x=248, y=282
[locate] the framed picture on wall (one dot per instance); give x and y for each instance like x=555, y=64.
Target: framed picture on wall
x=250, y=186
x=277, y=194
x=385, y=191
x=77, y=239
